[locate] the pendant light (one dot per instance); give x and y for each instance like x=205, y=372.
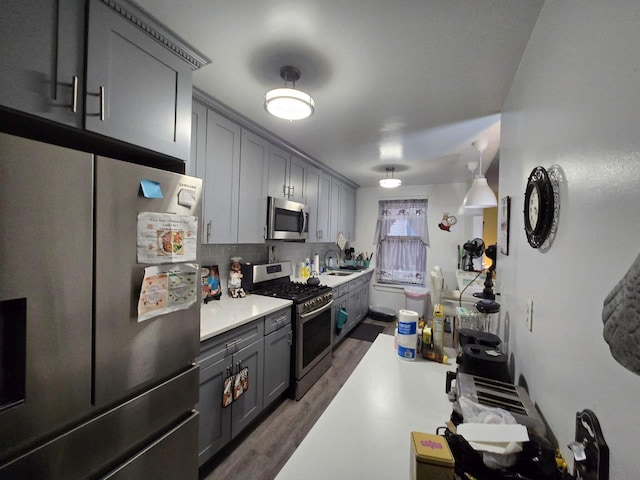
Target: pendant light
x=289, y=103
x=390, y=182
x=480, y=195
x=470, y=211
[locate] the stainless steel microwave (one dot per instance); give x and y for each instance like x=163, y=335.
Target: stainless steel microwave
x=287, y=220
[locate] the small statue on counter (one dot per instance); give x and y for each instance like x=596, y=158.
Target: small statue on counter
x=235, y=281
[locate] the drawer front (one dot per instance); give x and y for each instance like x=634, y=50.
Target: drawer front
x=277, y=320
x=228, y=343
x=341, y=290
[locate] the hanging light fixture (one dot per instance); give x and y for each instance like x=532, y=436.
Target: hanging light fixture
x=289, y=103
x=470, y=211
x=480, y=194
x=390, y=182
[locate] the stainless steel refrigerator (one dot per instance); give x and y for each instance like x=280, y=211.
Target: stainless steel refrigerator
x=86, y=389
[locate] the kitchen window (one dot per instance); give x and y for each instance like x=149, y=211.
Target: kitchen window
x=402, y=239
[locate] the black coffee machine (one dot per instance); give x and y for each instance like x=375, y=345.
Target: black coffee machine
x=480, y=355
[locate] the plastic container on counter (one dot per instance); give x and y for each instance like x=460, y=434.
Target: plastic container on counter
x=418, y=300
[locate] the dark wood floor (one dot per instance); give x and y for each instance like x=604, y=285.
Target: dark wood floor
x=261, y=452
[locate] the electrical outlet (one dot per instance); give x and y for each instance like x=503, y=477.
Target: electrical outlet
x=529, y=317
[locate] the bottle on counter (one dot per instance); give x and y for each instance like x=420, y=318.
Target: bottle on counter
x=437, y=335
x=307, y=268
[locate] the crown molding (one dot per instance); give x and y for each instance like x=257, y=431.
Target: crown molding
x=161, y=34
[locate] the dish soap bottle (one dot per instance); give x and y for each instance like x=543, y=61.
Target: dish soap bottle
x=307, y=268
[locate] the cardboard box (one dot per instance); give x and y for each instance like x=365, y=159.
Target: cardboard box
x=431, y=458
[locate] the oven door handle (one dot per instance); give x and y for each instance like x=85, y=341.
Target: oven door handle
x=315, y=312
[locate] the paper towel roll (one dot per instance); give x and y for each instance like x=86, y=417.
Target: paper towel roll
x=407, y=334
x=316, y=263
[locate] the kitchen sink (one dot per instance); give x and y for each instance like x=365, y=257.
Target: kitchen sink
x=339, y=273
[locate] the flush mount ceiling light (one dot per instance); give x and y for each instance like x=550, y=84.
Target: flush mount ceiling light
x=390, y=182
x=480, y=195
x=289, y=103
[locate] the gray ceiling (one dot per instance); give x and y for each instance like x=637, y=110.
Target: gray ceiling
x=404, y=83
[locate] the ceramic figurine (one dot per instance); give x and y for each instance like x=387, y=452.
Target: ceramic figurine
x=235, y=281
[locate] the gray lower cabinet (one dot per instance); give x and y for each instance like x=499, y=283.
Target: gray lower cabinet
x=264, y=346
x=247, y=408
x=219, y=358
x=215, y=421
x=353, y=298
x=340, y=304
x=277, y=355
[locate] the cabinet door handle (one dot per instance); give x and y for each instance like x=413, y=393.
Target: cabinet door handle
x=208, y=230
x=284, y=190
x=264, y=232
x=74, y=94
x=289, y=337
x=101, y=103
x=292, y=191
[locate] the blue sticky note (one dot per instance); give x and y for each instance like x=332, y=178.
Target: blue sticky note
x=150, y=189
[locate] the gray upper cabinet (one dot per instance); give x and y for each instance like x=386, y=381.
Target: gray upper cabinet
x=198, y=141
x=100, y=65
x=297, y=175
x=221, y=174
x=42, y=58
x=343, y=210
x=137, y=90
x=318, y=190
x=286, y=175
x=233, y=163
x=278, y=183
x=254, y=158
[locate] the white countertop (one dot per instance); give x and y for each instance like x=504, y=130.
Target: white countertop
x=219, y=316
x=335, y=280
x=365, y=431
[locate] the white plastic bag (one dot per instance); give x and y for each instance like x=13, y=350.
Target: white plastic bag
x=475, y=413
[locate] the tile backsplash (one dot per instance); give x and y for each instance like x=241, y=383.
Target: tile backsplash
x=259, y=253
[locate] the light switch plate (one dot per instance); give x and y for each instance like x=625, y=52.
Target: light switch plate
x=529, y=316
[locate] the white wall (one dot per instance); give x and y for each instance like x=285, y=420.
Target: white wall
x=443, y=245
x=575, y=102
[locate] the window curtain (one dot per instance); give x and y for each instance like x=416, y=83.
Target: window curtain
x=402, y=218
x=401, y=261
x=401, y=237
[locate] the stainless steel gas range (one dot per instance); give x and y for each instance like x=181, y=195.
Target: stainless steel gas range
x=312, y=321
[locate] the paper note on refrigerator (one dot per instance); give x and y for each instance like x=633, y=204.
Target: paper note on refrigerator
x=167, y=238
x=167, y=289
